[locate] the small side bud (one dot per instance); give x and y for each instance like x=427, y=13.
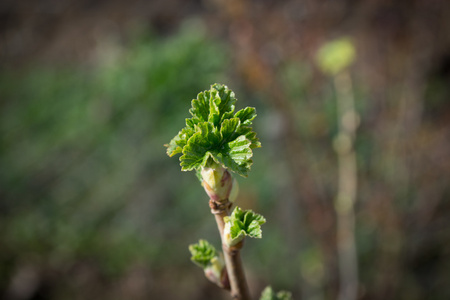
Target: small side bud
x=211, y=261
x=216, y=272
x=229, y=241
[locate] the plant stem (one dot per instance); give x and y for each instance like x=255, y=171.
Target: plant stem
x=238, y=283
x=233, y=262
x=346, y=196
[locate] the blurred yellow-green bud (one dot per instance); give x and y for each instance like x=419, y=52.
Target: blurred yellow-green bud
x=218, y=183
x=336, y=55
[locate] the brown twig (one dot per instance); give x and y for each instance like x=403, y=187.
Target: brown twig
x=233, y=262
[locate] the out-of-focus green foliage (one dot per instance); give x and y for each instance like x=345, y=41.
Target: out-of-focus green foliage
x=269, y=294
x=83, y=167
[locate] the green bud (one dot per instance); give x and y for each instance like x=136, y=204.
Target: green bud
x=218, y=183
x=216, y=271
x=227, y=236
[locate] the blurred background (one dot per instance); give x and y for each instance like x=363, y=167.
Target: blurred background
x=91, y=207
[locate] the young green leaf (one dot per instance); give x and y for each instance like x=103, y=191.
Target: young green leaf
x=241, y=224
x=203, y=253
x=215, y=134
x=227, y=101
x=269, y=294
x=246, y=115
x=177, y=144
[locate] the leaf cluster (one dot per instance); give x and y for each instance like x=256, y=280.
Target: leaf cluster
x=216, y=134
x=203, y=253
x=244, y=223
